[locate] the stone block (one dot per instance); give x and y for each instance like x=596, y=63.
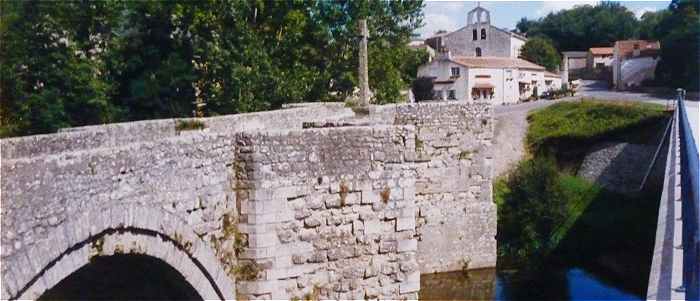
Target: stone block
x=387, y=246
x=312, y=221
x=333, y=201
x=403, y=224
x=308, y=234
x=373, y=227
x=409, y=287
x=318, y=257
x=407, y=245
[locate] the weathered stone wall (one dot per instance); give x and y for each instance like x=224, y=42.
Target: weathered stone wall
x=330, y=213
x=183, y=180
x=118, y=134
x=344, y=212
x=457, y=217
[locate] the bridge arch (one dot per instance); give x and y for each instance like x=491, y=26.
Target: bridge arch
x=121, y=229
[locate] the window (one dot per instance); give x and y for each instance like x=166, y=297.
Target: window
x=451, y=94
x=482, y=76
x=438, y=94
x=474, y=34
x=455, y=71
x=600, y=65
x=483, y=34
x=478, y=51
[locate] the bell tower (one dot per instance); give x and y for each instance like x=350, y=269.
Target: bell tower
x=483, y=16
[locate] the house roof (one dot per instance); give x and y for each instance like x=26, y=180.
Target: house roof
x=575, y=54
x=551, y=74
x=495, y=62
x=646, y=48
x=601, y=50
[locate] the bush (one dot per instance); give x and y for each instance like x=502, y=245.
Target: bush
x=537, y=205
x=422, y=88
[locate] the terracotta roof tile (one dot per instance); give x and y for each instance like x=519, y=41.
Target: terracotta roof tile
x=601, y=50
x=625, y=49
x=495, y=62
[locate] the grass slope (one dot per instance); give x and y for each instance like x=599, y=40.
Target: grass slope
x=541, y=203
x=569, y=125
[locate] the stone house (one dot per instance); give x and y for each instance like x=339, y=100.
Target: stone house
x=574, y=62
x=480, y=62
x=599, y=58
x=479, y=38
x=634, y=61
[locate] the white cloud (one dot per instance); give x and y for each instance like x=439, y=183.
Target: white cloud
x=640, y=11
x=554, y=6
x=435, y=22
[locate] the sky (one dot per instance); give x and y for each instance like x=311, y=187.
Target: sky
x=451, y=15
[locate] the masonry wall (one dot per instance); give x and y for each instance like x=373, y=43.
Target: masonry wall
x=187, y=177
x=339, y=212
x=119, y=134
x=330, y=213
x=497, y=42
x=456, y=224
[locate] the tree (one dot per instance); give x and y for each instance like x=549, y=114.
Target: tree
x=679, y=33
x=583, y=26
x=422, y=88
x=48, y=70
x=540, y=51
x=648, y=23
x=85, y=62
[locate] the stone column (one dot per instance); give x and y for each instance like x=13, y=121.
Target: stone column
x=363, y=73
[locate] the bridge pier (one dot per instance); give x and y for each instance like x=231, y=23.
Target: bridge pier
x=351, y=209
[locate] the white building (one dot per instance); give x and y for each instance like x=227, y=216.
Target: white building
x=599, y=58
x=497, y=79
x=634, y=61
x=480, y=62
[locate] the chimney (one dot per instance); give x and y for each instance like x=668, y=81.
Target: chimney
x=443, y=52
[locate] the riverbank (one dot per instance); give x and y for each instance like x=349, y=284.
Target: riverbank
x=561, y=236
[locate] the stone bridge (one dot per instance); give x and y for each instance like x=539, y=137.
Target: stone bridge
x=304, y=201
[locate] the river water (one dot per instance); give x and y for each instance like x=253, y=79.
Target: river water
x=605, y=256
x=489, y=284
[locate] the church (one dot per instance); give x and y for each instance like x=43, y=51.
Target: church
x=481, y=62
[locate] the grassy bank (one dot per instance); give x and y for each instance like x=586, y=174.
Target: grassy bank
x=541, y=203
x=567, y=130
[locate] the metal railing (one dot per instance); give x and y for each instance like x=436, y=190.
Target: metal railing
x=690, y=194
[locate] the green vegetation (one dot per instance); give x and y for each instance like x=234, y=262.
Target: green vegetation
x=565, y=125
x=422, y=88
x=586, y=26
x=537, y=205
x=189, y=125
x=540, y=51
x=543, y=208
x=583, y=26
x=73, y=63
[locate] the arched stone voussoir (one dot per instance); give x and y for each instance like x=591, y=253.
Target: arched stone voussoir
x=123, y=228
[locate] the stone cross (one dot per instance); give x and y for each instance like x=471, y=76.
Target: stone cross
x=363, y=74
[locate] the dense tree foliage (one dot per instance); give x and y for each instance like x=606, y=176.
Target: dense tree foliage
x=583, y=26
x=422, y=88
x=679, y=30
x=540, y=51
x=87, y=62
